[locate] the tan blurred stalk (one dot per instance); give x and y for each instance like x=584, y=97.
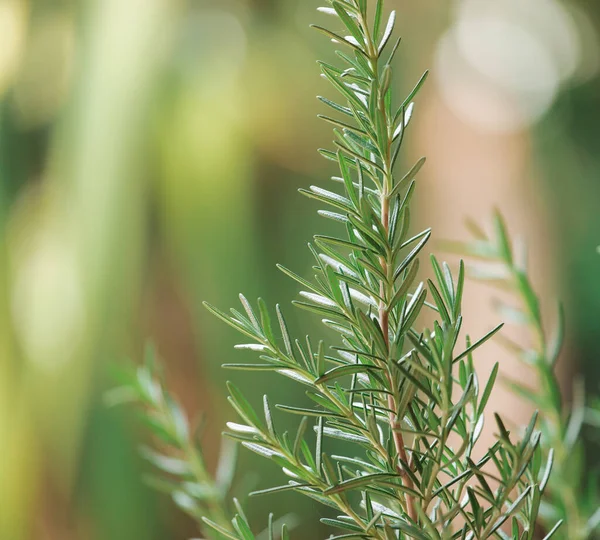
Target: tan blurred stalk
x=469, y=173
x=75, y=250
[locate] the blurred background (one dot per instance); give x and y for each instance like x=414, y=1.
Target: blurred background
x=150, y=153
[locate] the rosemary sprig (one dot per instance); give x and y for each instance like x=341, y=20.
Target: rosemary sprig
x=180, y=469
x=406, y=400
x=499, y=262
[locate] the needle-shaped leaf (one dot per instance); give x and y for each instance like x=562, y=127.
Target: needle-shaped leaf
x=479, y=343
x=336, y=38
x=377, y=20
x=349, y=23
x=303, y=411
x=243, y=407
x=361, y=481
x=488, y=389
x=329, y=197
x=387, y=33
x=343, y=371
x=410, y=175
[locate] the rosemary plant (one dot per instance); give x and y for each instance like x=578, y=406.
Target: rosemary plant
x=572, y=494
x=405, y=400
x=180, y=469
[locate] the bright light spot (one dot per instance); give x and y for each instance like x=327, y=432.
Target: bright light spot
x=501, y=65
x=47, y=302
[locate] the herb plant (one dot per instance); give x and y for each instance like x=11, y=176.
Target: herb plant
x=405, y=399
x=571, y=497
x=180, y=469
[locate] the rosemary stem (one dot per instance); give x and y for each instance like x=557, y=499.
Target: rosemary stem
x=384, y=319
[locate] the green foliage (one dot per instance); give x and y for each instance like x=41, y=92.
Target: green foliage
x=180, y=470
x=572, y=492
x=403, y=397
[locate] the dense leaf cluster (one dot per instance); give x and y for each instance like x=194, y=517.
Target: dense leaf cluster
x=179, y=467
x=572, y=494
x=402, y=395
x=405, y=399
